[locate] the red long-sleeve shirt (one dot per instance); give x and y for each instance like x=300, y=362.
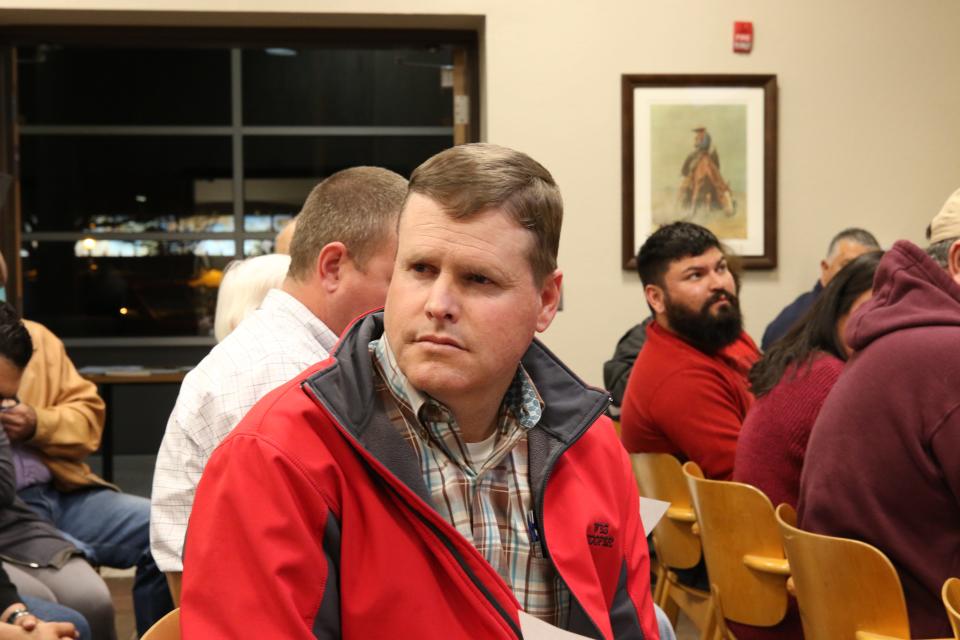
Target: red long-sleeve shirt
x=682, y=401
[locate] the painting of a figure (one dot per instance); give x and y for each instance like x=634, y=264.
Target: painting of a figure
x=703, y=149
x=699, y=166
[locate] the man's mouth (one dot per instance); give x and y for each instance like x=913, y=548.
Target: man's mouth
x=439, y=340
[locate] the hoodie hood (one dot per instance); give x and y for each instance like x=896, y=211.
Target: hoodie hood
x=909, y=290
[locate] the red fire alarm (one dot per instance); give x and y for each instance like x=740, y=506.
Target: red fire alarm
x=742, y=37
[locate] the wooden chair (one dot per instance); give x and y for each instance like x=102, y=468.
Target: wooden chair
x=166, y=628
x=175, y=582
x=616, y=427
x=743, y=550
x=951, y=601
x=675, y=540
x=846, y=589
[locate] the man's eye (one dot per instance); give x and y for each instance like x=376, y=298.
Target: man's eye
x=419, y=267
x=477, y=278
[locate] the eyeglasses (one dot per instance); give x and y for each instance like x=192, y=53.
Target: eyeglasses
x=9, y=403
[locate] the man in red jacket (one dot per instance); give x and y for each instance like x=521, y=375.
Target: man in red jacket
x=442, y=470
x=688, y=391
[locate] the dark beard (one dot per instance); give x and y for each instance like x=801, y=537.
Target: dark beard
x=704, y=331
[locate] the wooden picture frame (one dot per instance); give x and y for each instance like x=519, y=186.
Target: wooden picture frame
x=701, y=148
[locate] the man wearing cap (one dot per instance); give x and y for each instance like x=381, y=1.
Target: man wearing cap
x=883, y=461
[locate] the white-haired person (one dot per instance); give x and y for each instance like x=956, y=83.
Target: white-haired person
x=285, y=237
x=244, y=286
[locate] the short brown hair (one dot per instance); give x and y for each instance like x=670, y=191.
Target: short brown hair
x=357, y=206
x=471, y=178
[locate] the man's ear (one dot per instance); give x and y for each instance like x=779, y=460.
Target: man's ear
x=953, y=261
x=655, y=298
x=330, y=263
x=824, y=268
x=550, y=293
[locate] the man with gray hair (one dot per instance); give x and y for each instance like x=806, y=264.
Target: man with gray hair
x=442, y=471
x=845, y=246
x=883, y=460
x=341, y=259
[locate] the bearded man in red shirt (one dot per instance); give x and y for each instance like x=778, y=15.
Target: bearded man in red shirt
x=688, y=391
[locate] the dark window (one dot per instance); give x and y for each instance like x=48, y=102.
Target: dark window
x=96, y=287
x=145, y=169
x=342, y=87
x=280, y=171
x=112, y=86
x=125, y=183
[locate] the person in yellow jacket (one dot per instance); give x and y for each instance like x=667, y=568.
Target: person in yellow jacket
x=57, y=423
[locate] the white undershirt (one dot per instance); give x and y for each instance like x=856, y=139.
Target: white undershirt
x=481, y=451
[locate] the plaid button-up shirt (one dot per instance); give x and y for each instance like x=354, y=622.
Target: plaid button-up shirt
x=488, y=501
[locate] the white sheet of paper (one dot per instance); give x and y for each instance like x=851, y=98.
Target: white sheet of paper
x=537, y=629
x=651, y=511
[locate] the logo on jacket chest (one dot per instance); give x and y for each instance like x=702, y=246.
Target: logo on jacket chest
x=599, y=535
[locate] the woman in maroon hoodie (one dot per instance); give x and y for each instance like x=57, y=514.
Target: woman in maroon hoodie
x=790, y=383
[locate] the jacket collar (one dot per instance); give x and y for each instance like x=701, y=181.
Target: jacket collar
x=346, y=390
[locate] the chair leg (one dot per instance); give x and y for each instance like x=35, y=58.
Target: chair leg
x=661, y=584
x=719, y=620
x=669, y=605
x=709, y=630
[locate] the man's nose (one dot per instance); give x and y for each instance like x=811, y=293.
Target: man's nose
x=442, y=300
x=719, y=280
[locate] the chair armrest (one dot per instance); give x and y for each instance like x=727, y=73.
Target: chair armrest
x=681, y=514
x=778, y=566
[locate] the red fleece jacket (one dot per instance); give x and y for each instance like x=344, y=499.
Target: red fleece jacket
x=682, y=401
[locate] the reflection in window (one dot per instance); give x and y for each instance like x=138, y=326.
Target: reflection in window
x=80, y=289
x=94, y=248
x=269, y=203
x=257, y=247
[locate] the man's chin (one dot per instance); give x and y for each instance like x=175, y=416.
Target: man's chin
x=439, y=382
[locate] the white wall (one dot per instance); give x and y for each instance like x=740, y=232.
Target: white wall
x=869, y=104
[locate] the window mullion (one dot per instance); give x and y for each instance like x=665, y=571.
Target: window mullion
x=236, y=121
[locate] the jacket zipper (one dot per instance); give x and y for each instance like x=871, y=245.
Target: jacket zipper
x=443, y=538
x=539, y=506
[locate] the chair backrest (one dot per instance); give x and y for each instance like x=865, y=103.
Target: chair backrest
x=166, y=628
x=843, y=586
x=659, y=476
x=742, y=547
x=951, y=601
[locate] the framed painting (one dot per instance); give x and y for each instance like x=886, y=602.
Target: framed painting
x=703, y=149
